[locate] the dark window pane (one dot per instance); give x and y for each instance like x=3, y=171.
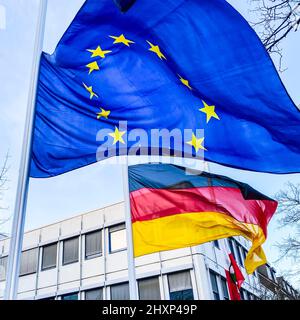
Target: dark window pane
x=29, y=261
x=216, y=244
x=119, y=291
x=94, y=294
x=70, y=250
x=93, y=244
x=71, y=296
x=231, y=246
x=149, y=289
x=239, y=256
x=225, y=289
x=214, y=284
x=49, y=256
x=180, y=286
x=117, y=238
x=3, y=267
x=182, y=295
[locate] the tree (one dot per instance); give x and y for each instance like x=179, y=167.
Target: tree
x=289, y=210
x=276, y=19
x=3, y=188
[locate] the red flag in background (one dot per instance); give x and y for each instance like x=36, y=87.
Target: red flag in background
x=234, y=278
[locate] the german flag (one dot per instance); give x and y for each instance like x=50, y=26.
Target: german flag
x=174, y=207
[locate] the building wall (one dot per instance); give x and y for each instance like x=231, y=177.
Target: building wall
x=110, y=268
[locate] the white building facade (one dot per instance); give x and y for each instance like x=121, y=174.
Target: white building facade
x=85, y=258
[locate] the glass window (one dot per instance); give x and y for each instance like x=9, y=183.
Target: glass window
x=224, y=288
x=70, y=250
x=149, y=289
x=180, y=286
x=239, y=255
x=29, y=261
x=214, y=284
x=94, y=294
x=3, y=266
x=216, y=244
x=70, y=296
x=117, y=238
x=49, y=256
x=231, y=247
x=93, y=244
x=119, y=291
x=244, y=294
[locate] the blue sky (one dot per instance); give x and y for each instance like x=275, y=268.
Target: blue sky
x=100, y=184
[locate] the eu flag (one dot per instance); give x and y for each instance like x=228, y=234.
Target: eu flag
x=117, y=80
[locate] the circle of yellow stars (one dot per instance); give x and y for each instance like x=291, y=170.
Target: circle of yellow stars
x=98, y=52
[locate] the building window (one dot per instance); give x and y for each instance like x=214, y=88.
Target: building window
x=93, y=244
x=214, y=284
x=29, y=261
x=49, y=256
x=149, y=289
x=245, y=295
x=216, y=244
x=119, y=291
x=224, y=289
x=94, y=294
x=70, y=250
x=231, y=247
x=180, y=286
x=70, y=296
x=117, y=238
x=3, y=267
x=239, y=255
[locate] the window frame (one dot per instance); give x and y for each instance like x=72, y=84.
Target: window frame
x=213, y=273
x=56, y=260
x=118, y=284
x=145, y=279
x=224, y=282
x=96, y=255
x=63, y=250
x=188, y=271
x=94, y=289
x=70, y=294
x=5, y=268
x=36, y=265
x=109, y=237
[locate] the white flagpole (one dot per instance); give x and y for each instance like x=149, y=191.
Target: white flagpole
x=17, y=232
x=133, y=292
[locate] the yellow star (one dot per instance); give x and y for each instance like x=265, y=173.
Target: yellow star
x=196, y=143
x=122, y=39
x=103, y=113
x=185, y=82
x=98, y=52
x=90, y=90
x=117, y=135
x=209, y=111
x=156, y=50
x=92, y=66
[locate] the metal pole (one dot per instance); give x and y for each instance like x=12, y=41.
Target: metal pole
x=133, y=292
x=17, y=232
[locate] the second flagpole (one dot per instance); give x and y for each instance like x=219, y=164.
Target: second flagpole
x=133, y=291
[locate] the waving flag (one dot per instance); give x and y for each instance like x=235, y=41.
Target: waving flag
x=190, y=67
x=234, y=278
x=171, y=209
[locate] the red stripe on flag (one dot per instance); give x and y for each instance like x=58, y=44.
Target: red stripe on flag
x=148, y=204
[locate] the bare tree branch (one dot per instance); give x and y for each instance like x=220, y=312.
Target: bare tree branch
x=276, y=19
x=3, y=187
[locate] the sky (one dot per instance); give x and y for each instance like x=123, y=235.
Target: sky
x=99, y=184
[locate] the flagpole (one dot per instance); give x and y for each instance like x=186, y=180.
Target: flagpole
x=133, y=294
x=16, y=240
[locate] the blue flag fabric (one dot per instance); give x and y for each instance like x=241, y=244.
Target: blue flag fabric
x=172, y=64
